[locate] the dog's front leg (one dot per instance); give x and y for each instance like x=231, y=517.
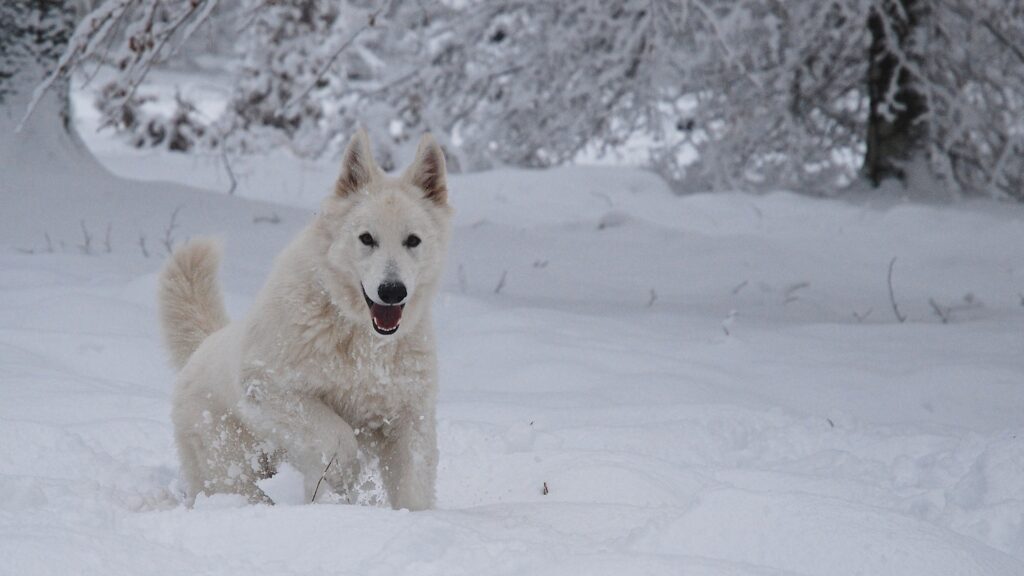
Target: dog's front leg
x=311, y=433
x=409, y=461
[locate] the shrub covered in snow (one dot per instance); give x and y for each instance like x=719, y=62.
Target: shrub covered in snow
x=803, y=94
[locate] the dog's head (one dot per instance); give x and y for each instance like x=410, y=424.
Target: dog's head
x=386, y=237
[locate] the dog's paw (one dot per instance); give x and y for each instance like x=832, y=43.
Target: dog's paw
x=412, y=500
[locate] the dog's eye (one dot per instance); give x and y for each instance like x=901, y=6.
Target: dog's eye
x=412, y=241
x=367, y=240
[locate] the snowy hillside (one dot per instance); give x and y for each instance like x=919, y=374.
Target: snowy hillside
x=706, y=385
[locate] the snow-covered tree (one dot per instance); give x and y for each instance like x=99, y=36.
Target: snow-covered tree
x=974, y=89
x=807, y=94
x=275, y=100
x=33, y=35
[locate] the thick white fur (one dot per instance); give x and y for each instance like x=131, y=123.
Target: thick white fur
x=304, y=377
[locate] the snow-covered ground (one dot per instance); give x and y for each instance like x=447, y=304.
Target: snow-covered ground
x=706, y=385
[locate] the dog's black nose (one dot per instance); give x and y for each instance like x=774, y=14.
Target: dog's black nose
x=391, y=292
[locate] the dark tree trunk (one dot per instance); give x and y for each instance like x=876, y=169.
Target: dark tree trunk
x=896, y=133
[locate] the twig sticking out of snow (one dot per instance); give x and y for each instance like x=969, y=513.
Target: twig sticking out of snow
x=142, y=245
x=612, y=219
x=653, y=298
x=272, y=219
x=892, y=296
x=322, y=476
x=86, y=245
x=864, y=315
x=942, y=313
x=49, y=249
x=729, y=322
x=738, y=287
x=790, y=294
x=544, y=490
x=501, y=282
x=168, y=240
x=945, y=313
x=231, y=173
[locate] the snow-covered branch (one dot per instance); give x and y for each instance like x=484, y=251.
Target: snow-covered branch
x=748, y=94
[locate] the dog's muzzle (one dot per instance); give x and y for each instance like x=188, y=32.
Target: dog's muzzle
x=385, y=318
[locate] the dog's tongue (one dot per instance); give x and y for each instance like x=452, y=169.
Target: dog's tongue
x=386, y=317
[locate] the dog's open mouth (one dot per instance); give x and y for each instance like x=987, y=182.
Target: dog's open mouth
x=385, y=318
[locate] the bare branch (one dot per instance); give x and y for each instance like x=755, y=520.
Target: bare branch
x=322, y=476
x=168, y=240
x=1014, y=48
x=501, y=282
x=231, y=173
x=272, y=219
x=86, y=245
x=942, y=313
x=892, y=296
x=790, y=292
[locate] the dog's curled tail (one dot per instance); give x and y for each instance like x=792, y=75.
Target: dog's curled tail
x=191, y=306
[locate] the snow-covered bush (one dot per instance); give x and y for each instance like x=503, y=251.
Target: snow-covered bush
x=805, y=94
x=974, y=86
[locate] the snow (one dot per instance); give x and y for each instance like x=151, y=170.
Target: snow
x=709, y=385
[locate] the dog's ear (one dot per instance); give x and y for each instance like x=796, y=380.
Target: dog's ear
x=357, y=165
x=428, y=170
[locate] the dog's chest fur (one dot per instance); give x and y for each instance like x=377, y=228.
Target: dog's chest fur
x=370, y=382
x=375, y=384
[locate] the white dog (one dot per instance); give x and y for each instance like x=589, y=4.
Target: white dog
x=337, y=353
